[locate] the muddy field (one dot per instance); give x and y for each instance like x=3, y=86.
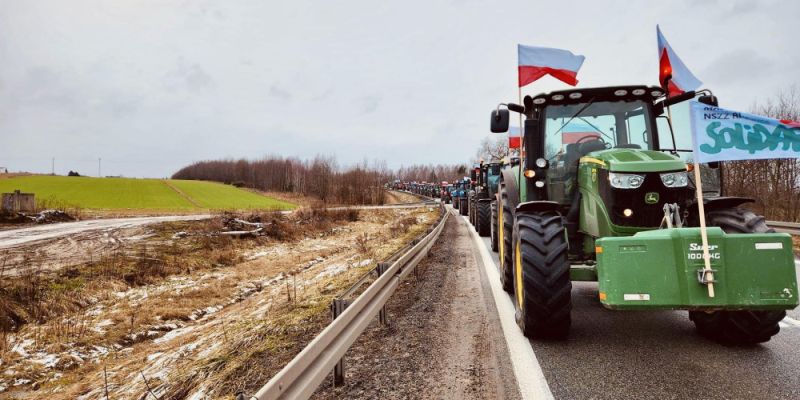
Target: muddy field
x=398, y=197
x=189, y=315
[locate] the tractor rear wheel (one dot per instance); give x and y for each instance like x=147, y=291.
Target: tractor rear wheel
x=738, y=328
x=505, y=230
x=463, y=206
x=475, y=208
x=483, y=219
x=542, y=290
x=493, y=229
x=471, y=211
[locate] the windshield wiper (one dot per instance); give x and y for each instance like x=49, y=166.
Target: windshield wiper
x=582, y=109
x=596, y=128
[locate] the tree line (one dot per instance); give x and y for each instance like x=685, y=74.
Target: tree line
x=320, y=177
x=774, y=184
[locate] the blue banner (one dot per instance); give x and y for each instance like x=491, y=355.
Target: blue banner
x=723, y=135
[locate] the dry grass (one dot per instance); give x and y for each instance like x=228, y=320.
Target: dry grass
x=145, y=292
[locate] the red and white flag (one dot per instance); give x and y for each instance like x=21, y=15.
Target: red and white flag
x=536, y=62
x=514, y=138
x=671, y=66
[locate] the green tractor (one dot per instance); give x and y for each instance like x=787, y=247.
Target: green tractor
x=597, y=182
x=483, y=196
x=474, y=175
x=460, y=201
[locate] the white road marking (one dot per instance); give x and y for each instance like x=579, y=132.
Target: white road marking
x=531, y=380
x=789, y=321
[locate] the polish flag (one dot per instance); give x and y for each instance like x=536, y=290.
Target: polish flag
x=514, y=138
x=536, y=62
x=670, y=64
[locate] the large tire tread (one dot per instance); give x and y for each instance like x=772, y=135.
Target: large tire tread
x=507, y=263
x=493, y=228
x=484, y=215
x=738, y=328
x=547, y=289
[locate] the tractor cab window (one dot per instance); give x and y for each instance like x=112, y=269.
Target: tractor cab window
x=681, y=126
x=574, y=130
x=613, y=124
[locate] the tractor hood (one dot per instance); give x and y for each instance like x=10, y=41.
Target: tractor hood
x=635, y=160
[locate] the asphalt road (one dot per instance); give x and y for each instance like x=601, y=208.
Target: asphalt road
x=658, y=355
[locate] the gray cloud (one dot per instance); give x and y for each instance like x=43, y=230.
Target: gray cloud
x=369, y=104
x=279, y=93
x=739, y=65
x=152, y=88
x=190, y=77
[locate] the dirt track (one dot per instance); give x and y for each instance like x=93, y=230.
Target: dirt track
x=442, y=340
x=56, y=245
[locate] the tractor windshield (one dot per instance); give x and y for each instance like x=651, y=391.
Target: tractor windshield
x=612, y=123
x=682, y=147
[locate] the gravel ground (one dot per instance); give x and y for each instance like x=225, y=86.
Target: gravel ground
x=443, y=340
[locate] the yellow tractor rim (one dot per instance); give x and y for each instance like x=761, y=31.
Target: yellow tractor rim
x=500, y=236
x=518, y=273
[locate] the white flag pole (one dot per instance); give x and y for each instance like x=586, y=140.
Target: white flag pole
x=708, y=273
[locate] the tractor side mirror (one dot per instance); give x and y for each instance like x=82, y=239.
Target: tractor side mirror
x=499, y=122
x=710, y=99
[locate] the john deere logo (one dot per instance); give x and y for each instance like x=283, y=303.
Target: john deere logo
x=651, y=198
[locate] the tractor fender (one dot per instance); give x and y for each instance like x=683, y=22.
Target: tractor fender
x=512, y=190
x=485, y=200
x=537, y=206
x=717, y=203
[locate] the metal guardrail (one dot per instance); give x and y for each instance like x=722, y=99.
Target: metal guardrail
x=301, y=377
x=786, y=227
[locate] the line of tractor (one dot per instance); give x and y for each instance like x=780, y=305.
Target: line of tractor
x=602, y=192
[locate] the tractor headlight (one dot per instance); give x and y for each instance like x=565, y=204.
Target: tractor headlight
x=675, y=179
x=625, y=181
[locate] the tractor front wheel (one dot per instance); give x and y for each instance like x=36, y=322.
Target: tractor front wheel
x=463, y=206
x=738, y=328
x=505, y=229
x=493, y=233
x=484, y=213
x=542, y=287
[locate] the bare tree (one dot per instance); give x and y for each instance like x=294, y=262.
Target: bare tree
x=493, y=148
x=775, y=184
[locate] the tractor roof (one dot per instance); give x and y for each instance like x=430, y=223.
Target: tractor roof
x=583, y=95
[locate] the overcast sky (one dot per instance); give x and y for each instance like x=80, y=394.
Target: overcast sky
x=150, y=86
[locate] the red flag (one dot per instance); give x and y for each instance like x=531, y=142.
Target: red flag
x=514, y=138
x=671, y=66
x=536, y=62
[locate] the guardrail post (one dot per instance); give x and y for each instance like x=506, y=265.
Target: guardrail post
x=382, y=267
x=337, y=307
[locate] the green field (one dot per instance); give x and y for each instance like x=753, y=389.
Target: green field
x=139, y=194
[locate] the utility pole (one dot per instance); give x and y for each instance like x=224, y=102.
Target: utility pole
x=53, y=166
x=99, y=165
